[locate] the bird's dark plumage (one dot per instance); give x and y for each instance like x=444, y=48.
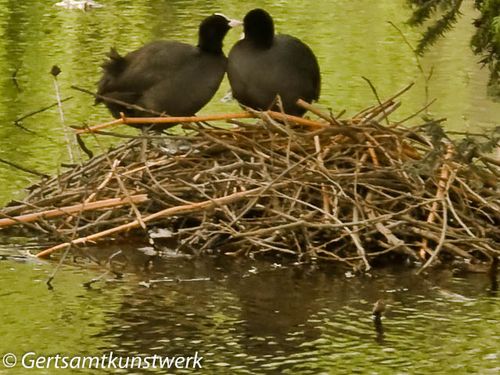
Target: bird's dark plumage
x=263, y=65
x=167, y=77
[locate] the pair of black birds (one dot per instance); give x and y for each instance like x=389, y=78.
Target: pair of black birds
x=178, y=79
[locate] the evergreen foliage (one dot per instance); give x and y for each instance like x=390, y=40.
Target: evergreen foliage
x=441, y=15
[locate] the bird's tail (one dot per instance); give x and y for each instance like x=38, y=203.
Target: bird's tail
x=112, y=69
x=116, y=63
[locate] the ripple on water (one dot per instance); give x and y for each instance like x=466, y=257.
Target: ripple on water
x=323, y=325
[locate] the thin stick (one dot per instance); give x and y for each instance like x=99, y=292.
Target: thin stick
x=67, y=136
x=373, y=154
x=440, y=193
x=398, y=94
x=311, y=108
x=119, y=102
x=324, y=193
x=387, y=103
x=296, y=119
x=442, y=238
x=415, y=114
x=95, y=128
x=165, y=120
x=374, y=90
x=101, y=186
x=121, y=184
x=68, y=210
x=178, y=210
x=427, y=78
x=184, y=119
x=357, y=241
x=19, y=119
x=24, y=169
x=188, y=119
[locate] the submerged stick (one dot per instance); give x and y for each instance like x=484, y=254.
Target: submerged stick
x=24, y=169
x=19, y=119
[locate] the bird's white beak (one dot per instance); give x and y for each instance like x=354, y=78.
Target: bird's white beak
x=231, y=22
x=235, y=23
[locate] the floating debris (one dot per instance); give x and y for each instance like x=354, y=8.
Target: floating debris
x=78, y=4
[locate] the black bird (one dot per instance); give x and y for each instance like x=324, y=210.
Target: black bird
x=167, y=77
x=263, y=65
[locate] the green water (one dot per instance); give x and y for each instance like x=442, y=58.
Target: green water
x=351, y=39
x=249, y=317
x=253, y=318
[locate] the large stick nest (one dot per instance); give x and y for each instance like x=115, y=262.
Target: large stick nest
x=351, y=191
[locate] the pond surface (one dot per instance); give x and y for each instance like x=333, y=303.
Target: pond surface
x=247, y=317
x=253, y=318
x=350, y=38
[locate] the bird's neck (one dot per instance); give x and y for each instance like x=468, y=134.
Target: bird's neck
x=262, y=43
x=210, y=45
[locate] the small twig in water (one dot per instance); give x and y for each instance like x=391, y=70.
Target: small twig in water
x=24, y=169
x=55, y=72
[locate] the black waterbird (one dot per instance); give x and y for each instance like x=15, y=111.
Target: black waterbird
x=263, y=65
x=167, y=77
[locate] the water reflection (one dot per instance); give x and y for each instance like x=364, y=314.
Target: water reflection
x=257, y=317
x=251, y=317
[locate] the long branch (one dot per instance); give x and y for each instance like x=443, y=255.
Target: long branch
x=107, y=203
x=171, y=211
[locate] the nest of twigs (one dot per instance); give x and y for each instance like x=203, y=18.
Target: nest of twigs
x=353, y=191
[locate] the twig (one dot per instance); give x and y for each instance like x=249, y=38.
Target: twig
x=119, y=102
x=427, y=78
x=178, y=210
x=164, y=120
x=107, y=203
x=311, y=108
x=357, y=241
x=442, y=238
x=440, y=194
x=374, y=90
x=67, y=136
x=19, y=119
x=24, y=169
x=326, y=201
x=121, y=185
